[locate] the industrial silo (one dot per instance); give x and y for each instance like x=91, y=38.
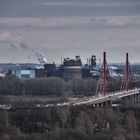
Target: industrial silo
x=72, y=68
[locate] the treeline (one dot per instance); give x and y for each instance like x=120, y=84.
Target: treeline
x=11, y=85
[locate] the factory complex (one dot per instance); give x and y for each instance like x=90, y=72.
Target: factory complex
x=68, y=70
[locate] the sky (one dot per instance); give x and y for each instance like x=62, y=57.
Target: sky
x=65, y=28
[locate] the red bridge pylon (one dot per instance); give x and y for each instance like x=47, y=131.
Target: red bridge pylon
x=127, y=80
x=104, y=77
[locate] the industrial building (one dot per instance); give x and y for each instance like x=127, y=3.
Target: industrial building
x=20, y=73
x=68, y=70
x=40, y=73
x=50, y=70
x=91, y=69
x=72, y=68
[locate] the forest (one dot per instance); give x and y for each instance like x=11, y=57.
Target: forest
x=52, y=86
x=71, y=123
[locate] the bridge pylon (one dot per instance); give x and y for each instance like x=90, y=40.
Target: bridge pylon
x=104, y=77
x=127, y=80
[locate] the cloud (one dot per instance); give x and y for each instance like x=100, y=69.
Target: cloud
x=5, y=36
x=91, y=4
x=67, y=22
x=23, y=45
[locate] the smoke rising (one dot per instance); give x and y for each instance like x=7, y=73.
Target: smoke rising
x=41, y=57
x=23, y=45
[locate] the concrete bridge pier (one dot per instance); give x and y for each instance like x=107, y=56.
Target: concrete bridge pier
x=138, y=97
x=135, y=96
x=109, y=103
x=96, y=105
x=135, y=99
x=100, y=104
x=132, y=99
x=103, y=104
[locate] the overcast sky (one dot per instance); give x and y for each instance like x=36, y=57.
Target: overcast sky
x=65, y=28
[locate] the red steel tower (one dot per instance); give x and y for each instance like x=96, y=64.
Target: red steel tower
x=127, y=81
x=104, y=77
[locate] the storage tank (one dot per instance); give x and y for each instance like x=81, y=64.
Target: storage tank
x=72, y=68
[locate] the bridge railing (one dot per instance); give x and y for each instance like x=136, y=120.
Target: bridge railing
x=118, y=93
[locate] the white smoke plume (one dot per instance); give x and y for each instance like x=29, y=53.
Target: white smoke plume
x=41, y=57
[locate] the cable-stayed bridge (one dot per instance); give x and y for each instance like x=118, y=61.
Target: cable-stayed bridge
x=128, y=93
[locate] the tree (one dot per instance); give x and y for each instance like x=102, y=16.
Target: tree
x=84, y=86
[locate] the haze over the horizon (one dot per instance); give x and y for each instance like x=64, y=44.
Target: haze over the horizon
x=65, y=28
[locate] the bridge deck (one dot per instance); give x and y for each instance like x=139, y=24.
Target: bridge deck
x=92, y=100
x=108, y=97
